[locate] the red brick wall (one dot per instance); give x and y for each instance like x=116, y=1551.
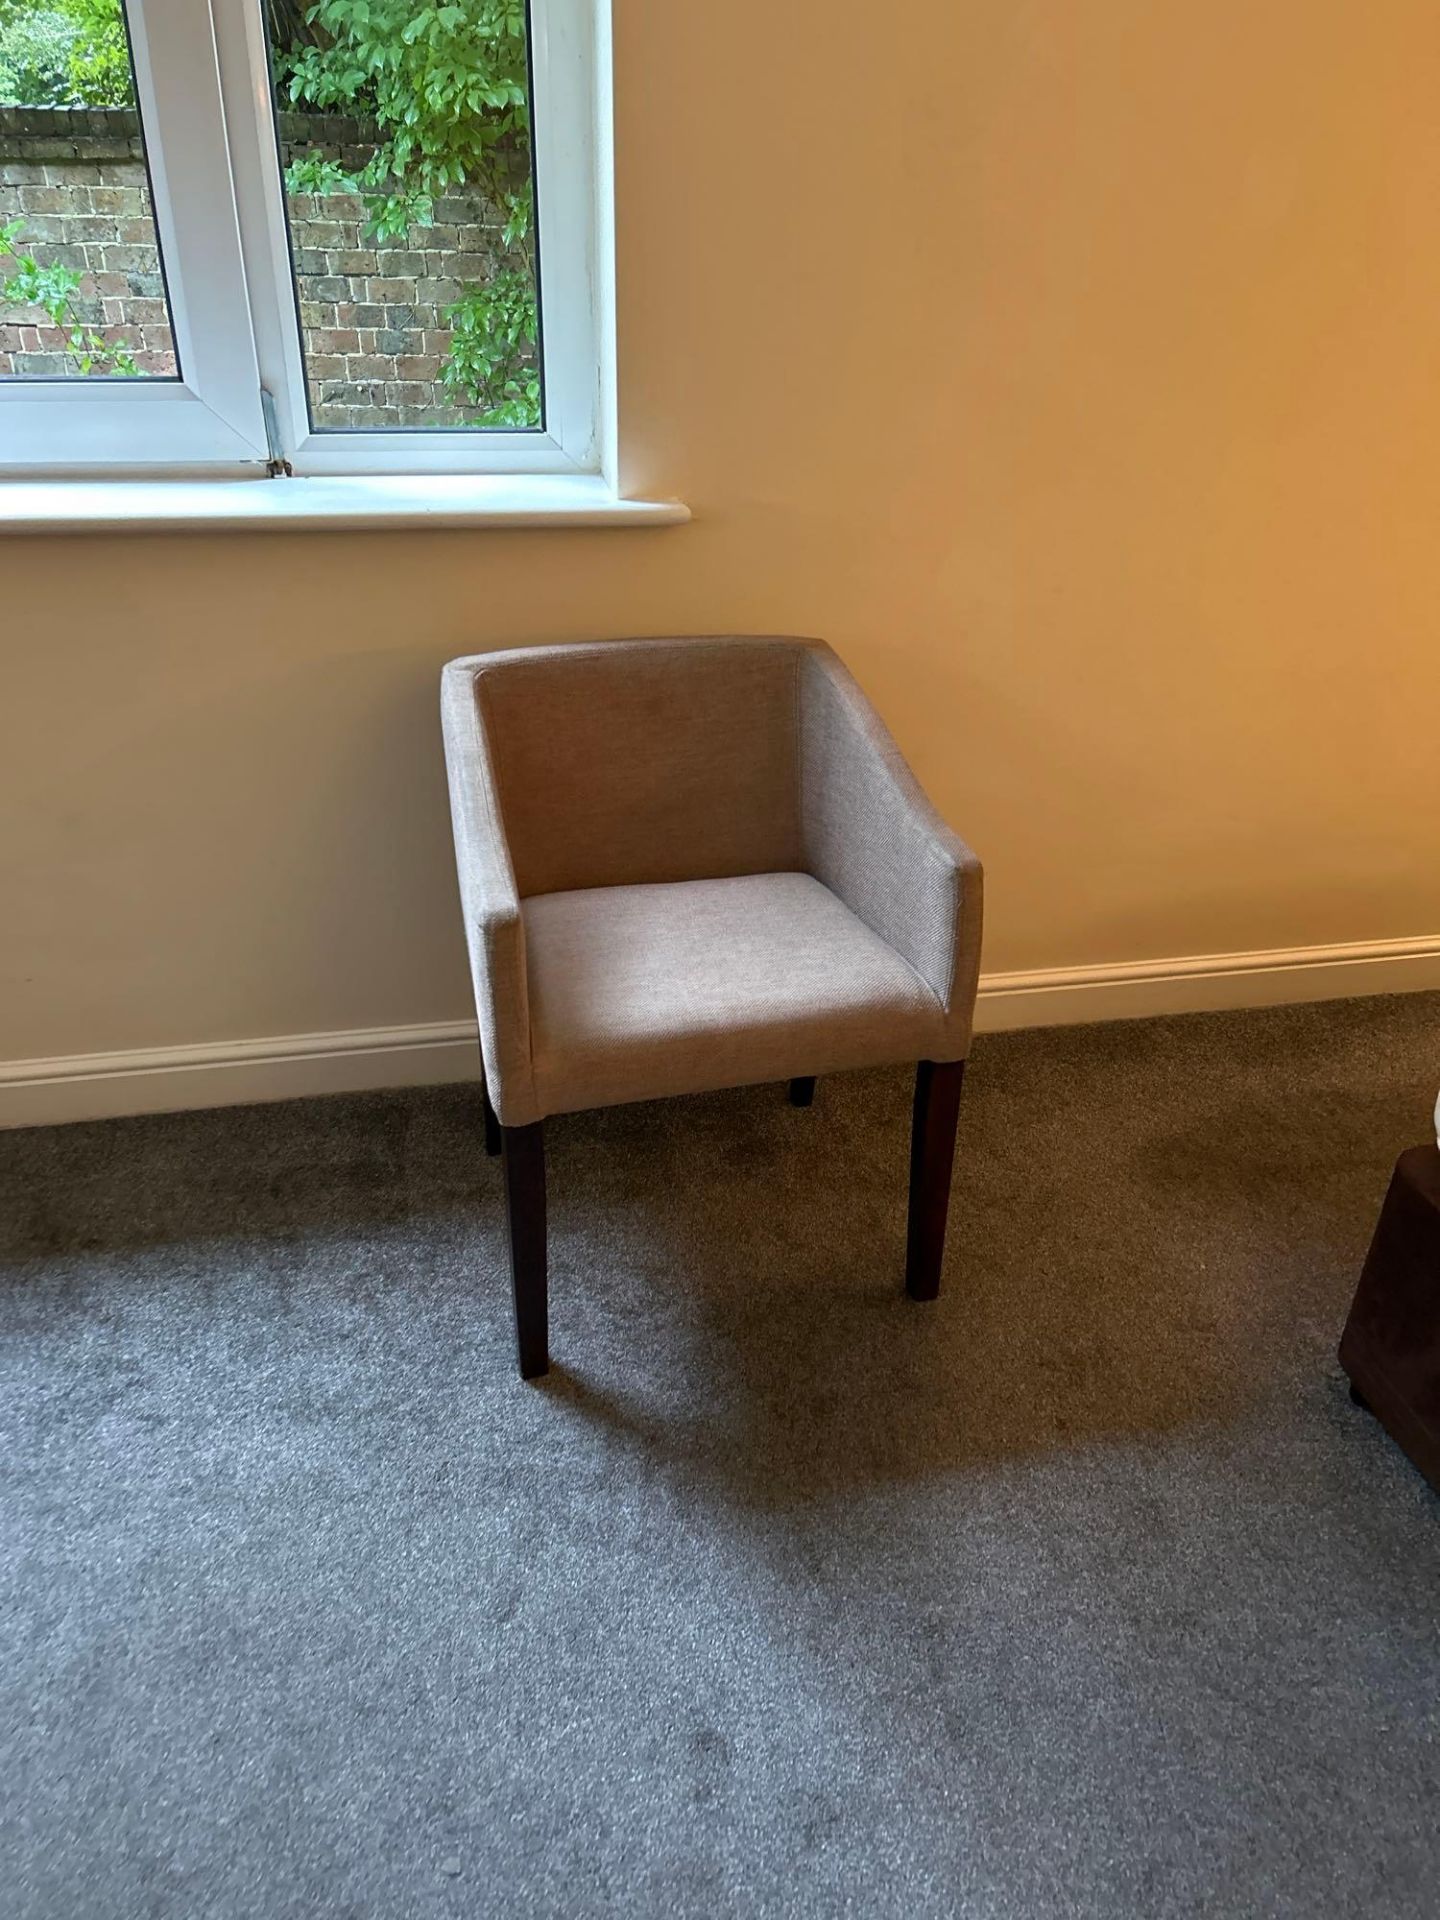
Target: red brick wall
x=371, y=314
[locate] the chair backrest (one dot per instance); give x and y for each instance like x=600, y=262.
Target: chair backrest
x=630, y=761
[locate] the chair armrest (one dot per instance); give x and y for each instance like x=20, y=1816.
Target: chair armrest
x=871, y=835
x=494, y=929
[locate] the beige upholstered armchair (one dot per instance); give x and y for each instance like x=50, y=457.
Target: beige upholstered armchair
x=699, y=863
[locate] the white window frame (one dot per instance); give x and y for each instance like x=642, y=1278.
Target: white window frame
x=208, y=121
x=211, y=417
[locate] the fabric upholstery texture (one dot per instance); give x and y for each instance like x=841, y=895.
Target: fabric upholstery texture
x=622, y=764
x=638, y=992
x=631, y=766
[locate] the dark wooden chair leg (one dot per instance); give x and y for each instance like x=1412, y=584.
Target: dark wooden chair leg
x=523, y=1159
x=492, y=1125
x=802, y=1091
x=932, y=1156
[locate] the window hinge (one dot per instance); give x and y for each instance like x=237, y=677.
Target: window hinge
x=277, y=465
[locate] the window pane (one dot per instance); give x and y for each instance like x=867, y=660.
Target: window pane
x=82, y=291
x=404, y=134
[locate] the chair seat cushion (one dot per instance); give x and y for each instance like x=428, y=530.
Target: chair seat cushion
x=638, y=992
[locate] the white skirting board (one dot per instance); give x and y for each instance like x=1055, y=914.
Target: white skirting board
x=230, y=1073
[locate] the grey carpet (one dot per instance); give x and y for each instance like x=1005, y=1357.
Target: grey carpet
x=1085, y=1592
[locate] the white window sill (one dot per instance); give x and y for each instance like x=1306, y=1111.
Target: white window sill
x=438, y=500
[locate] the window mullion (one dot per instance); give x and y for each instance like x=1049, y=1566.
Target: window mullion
x=178, y=79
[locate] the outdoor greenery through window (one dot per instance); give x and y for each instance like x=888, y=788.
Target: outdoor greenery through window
x=81, y=287
x=404, y=135
x=405, y=143
x=340, y=237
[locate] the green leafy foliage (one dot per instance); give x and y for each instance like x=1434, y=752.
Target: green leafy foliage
x=99, y=54
x=69, y=53
x=55, y=290
x=35, y=57
x=447, y=88
x=492, y=333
